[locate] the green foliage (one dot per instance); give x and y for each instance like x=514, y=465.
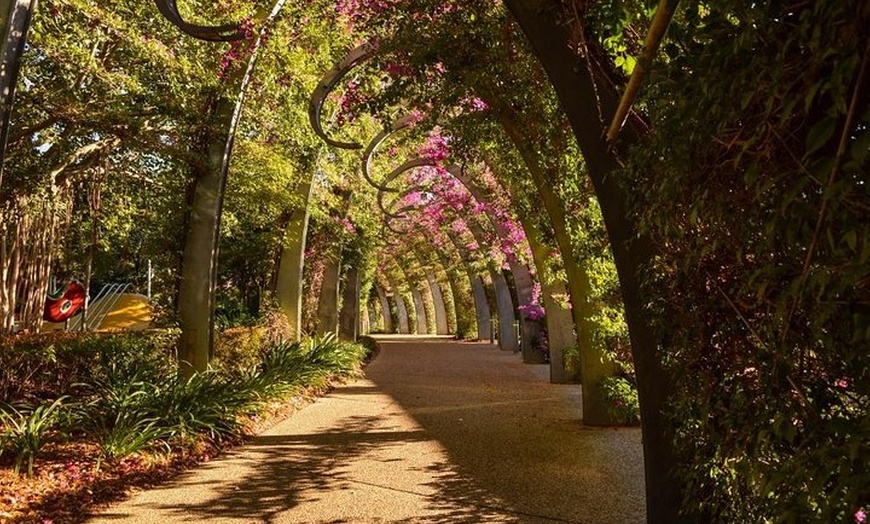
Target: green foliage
x=622, y=396
x=126, y=394
x=370, y=345
x=38, y=367
x=24, y=429
x=571, y=358
x=752, y=184
x=238, y=349
x=129, y=434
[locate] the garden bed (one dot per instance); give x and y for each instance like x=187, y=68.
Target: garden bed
x=79, y=469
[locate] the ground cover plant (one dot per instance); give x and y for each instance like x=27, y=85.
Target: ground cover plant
x=122, y=415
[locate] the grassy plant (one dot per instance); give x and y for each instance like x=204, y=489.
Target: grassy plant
x=129, y=433
x=25, y=431
x=334, y=356
x=208, y=402
x=284, y=363
x=119, y=417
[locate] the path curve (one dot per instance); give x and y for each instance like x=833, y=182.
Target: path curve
x=437, y=432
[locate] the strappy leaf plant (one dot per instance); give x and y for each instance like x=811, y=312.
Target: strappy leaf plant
x=25, y=430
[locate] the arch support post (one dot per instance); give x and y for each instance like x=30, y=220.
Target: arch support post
x=577, y=95
x=478, y=293
x=288, y=288
x=327, y=304
x=560, y=322
x=401, y=309
x=481, y=306
x=530, y=330
x=507, y=337
x=196, y=291
x=349, y=318
x=419, y=311
x=385, y=310
x=440, y=310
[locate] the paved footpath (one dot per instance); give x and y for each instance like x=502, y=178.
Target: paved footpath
x=438, y=432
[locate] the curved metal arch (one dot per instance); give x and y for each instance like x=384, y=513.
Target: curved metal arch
x=453, y=169
x=216, y=33
x=400, y=212
x=398, y=125
x=387, y=225
x=412, y=208
x=407, y=166
x=331, y=79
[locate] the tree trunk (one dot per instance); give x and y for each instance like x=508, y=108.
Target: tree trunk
x=94, y=202
x=349, y=317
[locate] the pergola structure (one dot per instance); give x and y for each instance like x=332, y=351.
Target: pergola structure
x=416, y=291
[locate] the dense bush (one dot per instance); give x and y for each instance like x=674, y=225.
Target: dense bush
x=124, y=393
x=621, y=394
x=753, y=186
x=40, y=367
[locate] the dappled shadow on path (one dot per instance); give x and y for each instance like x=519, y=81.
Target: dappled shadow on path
x=441, y=433
x=515, y=443
x=287, y=470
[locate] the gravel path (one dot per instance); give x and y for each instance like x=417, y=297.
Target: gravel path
x=437, y=432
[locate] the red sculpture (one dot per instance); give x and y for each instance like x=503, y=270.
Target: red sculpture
x=65, y=302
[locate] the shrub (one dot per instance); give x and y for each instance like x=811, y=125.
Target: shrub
x=38, y=367
x=621, y=395
x=237, y=349
x=571, y=357
x=370, y=345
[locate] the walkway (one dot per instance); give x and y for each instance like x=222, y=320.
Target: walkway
x=438, y=432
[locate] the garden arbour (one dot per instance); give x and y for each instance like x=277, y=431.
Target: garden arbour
x=546, y=77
